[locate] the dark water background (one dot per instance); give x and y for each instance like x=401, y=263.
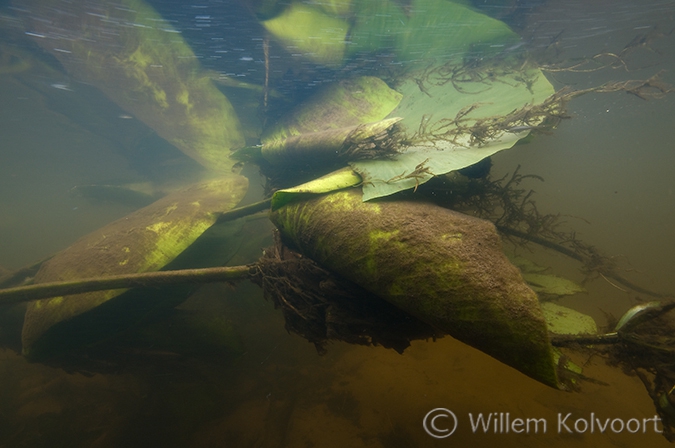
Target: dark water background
x=609, y=168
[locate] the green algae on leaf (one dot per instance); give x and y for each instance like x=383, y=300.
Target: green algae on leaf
x=138, y=60
x=443, y=267
x=146, y=240
x=333, y=123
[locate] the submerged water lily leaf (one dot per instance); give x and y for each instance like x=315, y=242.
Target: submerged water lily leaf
x=340, y=106
x=138, y=195
x=363, y=99
x=367, y=140
x=526, y=265
x=552, y=284
x=443, y=267
x=138, y=60
x=417, y=165
x=567, y=368
x=318, y=36
x=427, y=29
x=337, y=180
x=563, y=320
x=441, y=120
x=144, y=241
x=451, y=87
x=439, y=46
x=545, y=283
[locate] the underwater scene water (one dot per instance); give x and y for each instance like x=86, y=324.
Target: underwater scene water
x=129, y=128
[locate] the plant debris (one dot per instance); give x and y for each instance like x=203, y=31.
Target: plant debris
x=322, y=307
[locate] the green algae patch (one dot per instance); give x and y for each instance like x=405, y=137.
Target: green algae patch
x=464, y=287
x=138, y=60
x=146, y=240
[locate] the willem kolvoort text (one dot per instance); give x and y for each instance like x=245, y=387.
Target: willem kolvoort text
x=567, y=423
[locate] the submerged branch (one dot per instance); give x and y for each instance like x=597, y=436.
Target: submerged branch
x=514, y=212
x=606, y=272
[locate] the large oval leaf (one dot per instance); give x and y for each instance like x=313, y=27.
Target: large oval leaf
x=445, y=121
x=133, y=55
x=146, y=240
x=445, y=268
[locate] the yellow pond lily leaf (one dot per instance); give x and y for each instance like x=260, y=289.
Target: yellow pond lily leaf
x=552, y=284
x=543, y=283
x=563, y=320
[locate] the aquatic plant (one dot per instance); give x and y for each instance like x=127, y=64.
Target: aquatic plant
x=424, y=270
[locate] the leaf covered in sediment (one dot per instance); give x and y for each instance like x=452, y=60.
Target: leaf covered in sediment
x=445, y=268
x=144, y=241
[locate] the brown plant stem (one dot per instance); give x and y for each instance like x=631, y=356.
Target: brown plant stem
x=584, y=339
x=246, y=210
x=38, y=291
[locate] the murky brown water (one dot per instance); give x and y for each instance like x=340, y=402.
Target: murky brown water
x=609, y=168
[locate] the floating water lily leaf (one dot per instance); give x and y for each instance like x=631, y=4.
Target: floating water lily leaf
x=563, y=320
x=146, y=240
x=334, y=7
